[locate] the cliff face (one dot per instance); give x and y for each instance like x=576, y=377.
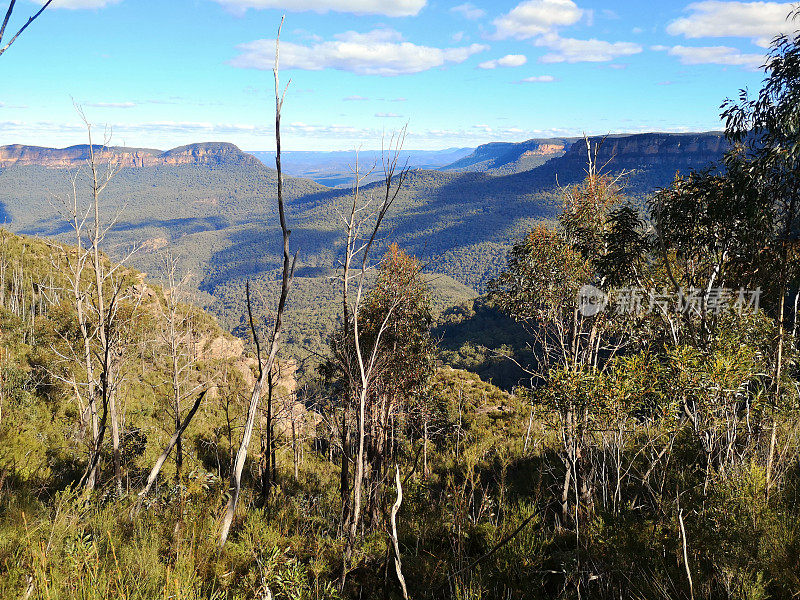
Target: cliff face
x=210, y=153
x=638, y=151
x=651, y=150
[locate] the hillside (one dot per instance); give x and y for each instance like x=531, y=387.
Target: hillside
x=41, y=367
x=215, y=211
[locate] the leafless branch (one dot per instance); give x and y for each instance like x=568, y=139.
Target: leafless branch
x=23, y=28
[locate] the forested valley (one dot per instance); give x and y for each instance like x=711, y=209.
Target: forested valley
x=616, y=415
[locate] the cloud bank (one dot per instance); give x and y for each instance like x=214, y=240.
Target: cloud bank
x=378, y=52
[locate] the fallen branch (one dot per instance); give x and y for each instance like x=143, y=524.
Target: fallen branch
x=165, y=454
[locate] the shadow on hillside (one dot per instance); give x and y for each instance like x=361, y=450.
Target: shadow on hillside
x=477, y=337
x=256, y=250
x=55, y=226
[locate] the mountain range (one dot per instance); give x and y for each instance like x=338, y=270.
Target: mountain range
x=213, y=207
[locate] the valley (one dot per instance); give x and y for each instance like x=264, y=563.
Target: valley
x=214, y=207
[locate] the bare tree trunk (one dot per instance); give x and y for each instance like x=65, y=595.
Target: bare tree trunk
x=684, y=544
x=781, y=335
x=295, y=450
x=107, y=382
x=344, y=480
x=425, y=448
x=176, y=390
x=357, y=484
x=271, y=456
x=288, y=274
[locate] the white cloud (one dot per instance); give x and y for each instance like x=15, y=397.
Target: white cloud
x=572, y=51
x=389, y=8
x=458, y=36
x=715, y=55
x=388, y=115
x=535, y=17
x=509, y=60
x=379, y=52
x=538, y=79
x=713, y=18
x=469, y=11
x=77, y=4
x=355, y=99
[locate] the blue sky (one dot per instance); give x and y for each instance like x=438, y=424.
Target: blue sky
x=163, y=73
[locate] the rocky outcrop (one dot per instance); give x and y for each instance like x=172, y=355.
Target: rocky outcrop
x=287, y=409
x=209, y=153
x=544, y=150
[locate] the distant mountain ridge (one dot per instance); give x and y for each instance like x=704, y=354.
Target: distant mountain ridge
x=205, y=153
x=511, y=157
x=644, y=150
x=336, y=168
x=617, y=151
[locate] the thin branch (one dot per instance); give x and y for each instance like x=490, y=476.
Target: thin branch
x=23, y=28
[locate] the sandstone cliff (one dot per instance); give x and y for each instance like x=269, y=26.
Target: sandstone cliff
x=650, y=149
x=209, y=153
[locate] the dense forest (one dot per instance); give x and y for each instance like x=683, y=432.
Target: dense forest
x=643, y=441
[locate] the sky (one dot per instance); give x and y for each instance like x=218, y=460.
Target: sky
x=163, y=73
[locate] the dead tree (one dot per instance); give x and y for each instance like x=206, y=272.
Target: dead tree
x=398, y=566
x=21, y=29
x=286, y=280
x=106, y=303
x=176, y=337
x=77, y=260
x=85, y=270
x=99, y=292
x=341, y=354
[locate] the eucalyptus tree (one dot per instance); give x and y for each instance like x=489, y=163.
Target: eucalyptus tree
x=542, y=287
x=767, y=130
x=404, y=360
